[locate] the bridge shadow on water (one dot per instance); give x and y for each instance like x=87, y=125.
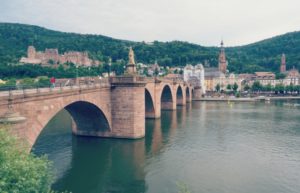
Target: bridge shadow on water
x=90, y=164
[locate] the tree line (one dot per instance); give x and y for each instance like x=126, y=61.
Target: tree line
x=260, y=56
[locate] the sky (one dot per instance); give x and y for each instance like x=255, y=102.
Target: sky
x=238, y=22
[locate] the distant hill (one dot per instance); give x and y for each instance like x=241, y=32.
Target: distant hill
x=263, y=55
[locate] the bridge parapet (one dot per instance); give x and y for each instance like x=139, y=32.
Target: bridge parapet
x=128, y=80
x=20, y=92
x=173, y=80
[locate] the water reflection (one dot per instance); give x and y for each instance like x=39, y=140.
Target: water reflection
x=85, y=164
x=97, y=167
x=212, y=147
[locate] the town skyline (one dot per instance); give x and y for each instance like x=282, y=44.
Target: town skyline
x=204, y=23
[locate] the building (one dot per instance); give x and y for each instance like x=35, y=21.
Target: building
x=292, y=77
x=269, y=78
x=226, y=79
x=222, y=59
x=51, y=56
x=265, y=78
x=154, y=69
x=195, y=75
x=210, y=75
x=220, y=76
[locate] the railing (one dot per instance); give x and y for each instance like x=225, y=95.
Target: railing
x=38, y=89
x=127, y=79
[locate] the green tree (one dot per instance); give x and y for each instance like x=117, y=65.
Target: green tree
x=280, y=76
x=28, y=82
x=268, y=87
x=229, y=87
x=256, y=86
x=44, y=81
x=218, y=87
x=21, y=171
x=235, y=87
x=51, y=62
x=279, y=88
x=290, y=88
x=247, y=87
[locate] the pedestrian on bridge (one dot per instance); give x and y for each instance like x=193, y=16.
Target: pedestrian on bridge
x=52, y=81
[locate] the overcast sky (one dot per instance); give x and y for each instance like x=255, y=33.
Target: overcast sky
x=203, y=22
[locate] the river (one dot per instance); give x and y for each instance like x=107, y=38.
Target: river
x=210, y=147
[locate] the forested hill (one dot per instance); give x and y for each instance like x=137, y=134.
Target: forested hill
x=264, y=55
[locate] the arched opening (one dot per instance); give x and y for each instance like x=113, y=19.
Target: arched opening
x=166, y=99
x=193, y=94
x=88, y=119
x=82, y=117
x=187, y=95
x=179, y=96
x=149, y=106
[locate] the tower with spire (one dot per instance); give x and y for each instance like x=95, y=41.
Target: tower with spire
x=283, y=64
x=222, y=59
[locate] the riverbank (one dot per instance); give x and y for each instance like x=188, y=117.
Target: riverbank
x=248, y=99
x=228, y=99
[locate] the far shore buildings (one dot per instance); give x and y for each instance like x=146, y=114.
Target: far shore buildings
x=292, y=77
x=221, y=76
x=51, y=56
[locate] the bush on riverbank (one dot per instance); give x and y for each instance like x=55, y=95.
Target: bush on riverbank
x=21, y=171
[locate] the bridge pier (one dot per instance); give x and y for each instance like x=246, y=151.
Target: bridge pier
x=128, y=107
x=197, y=94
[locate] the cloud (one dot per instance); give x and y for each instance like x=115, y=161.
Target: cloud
x=203, y=22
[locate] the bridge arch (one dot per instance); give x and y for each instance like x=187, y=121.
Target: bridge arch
x=167, y=102
x=89, y=119
x=188, y=94
x=179, y=96
x=149, y=105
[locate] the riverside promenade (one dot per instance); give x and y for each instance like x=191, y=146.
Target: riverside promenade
x=248, y=99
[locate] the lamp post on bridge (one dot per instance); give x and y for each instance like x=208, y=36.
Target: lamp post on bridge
x=109, y=67
x=77, y=80
x=89, y=80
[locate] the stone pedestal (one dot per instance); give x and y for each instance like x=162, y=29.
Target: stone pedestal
x=128, y=107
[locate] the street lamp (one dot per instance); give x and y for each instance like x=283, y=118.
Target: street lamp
x=89, y=75
x=109, y=66
x=77, y=81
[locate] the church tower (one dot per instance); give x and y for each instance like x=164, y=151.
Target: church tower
x=283, y=64
x=222, y=59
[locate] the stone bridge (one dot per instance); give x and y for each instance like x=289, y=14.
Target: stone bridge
x=115, y=107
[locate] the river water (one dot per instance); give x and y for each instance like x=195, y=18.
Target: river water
x=207, y=146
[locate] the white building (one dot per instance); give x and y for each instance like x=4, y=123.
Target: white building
x=195, y=75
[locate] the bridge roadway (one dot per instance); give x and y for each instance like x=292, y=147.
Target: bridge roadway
x=114, y=108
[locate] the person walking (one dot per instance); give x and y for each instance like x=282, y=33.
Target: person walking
x=52, y=81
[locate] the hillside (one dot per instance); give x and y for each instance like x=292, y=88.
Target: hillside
x=266, y=54
x=263, y=55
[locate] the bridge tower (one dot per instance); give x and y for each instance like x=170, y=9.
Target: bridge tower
x=128, y=102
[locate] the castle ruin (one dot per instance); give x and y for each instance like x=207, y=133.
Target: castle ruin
x=52, y=56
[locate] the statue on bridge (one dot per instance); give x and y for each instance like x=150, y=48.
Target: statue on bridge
x=131, y=56
x=131, y=68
